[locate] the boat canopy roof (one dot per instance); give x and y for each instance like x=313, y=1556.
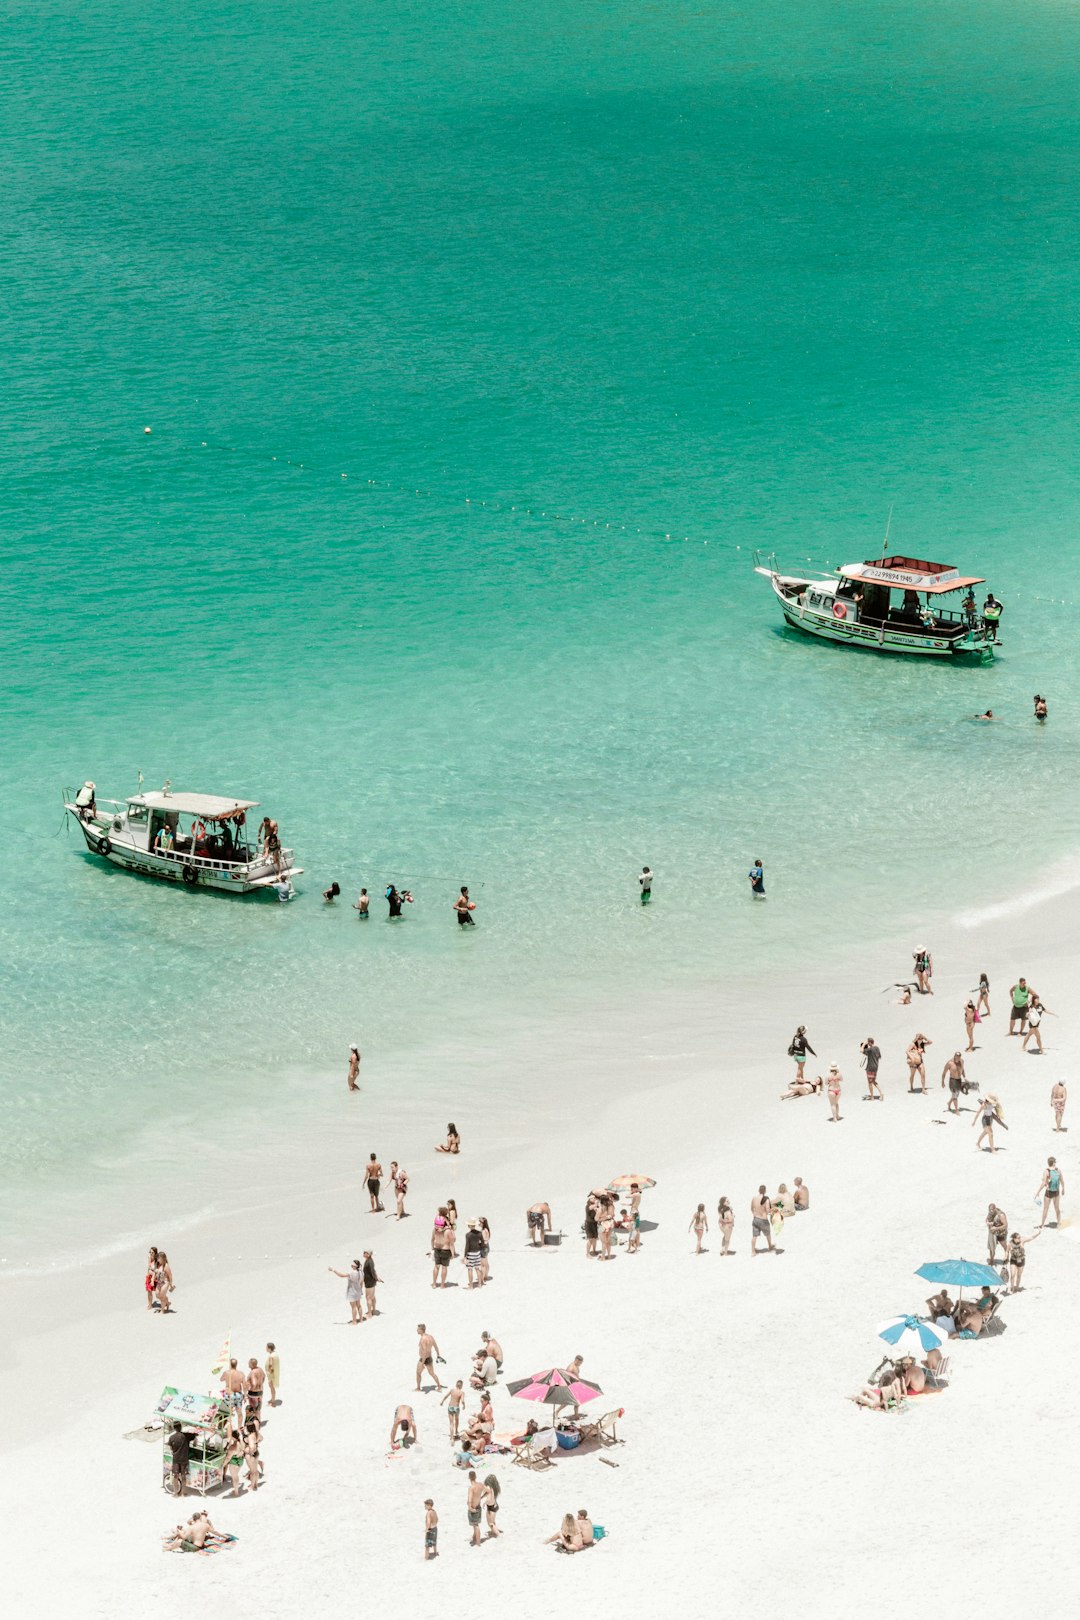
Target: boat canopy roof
x=196, y=804
x=911, y=574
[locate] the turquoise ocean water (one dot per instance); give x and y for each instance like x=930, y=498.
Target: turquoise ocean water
x=480, y=349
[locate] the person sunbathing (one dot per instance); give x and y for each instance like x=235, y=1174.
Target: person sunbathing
x=802, y=1088
x=885, y=1384
x=969, y=1320
x=568, y=1536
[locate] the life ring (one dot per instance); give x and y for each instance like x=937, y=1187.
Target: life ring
x=839, y=610
x=191, y=874
x=104, y=847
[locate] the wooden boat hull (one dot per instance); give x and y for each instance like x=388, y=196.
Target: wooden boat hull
x=198, y=872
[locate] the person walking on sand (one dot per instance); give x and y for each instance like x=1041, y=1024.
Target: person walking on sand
x=645, y=884
x=725, y=1217
x=1018, y=1259
x=431, y=1530
x=1051, y=1188
x=924, y=971
x=833, y=1082
x=1035, y=1014
x=354, y=1289
x=539, y=1219
x=165, y=1284
x=1021, y=996
x=150, y=1280
x=363, y=904
x=971, y=1018
x=427, y=1350
x=699, y=1225
x=1059, y=1096
x=354, y=1067
x=464, y=907
x=474, y=1502
x=871, y=1056
x=798, y=1049
x=761, y=1217
x=997, y=1232
x=953, y=1072
x=756, y=876
x=916, y=1060
x=988, y=1112
x=374, y=1182
x=982, y=1000
x=456, y=1399
x=399, y=1180
x=273, y=1371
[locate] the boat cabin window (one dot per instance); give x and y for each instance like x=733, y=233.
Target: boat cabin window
x=137, y=814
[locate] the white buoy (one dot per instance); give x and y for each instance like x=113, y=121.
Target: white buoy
x=147, y=430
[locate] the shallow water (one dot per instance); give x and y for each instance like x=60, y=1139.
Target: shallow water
x=479, y=353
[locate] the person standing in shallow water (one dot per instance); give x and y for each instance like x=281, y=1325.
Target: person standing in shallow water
x=465, y=908
x=645, y=884
x=354, y=1067
x=757, y=879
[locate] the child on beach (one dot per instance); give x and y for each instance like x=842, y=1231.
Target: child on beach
x=456, y=1399
x=431, y=1530
x=1059, y=1096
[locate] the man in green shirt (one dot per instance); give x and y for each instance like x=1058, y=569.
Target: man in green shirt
x=1021, y=996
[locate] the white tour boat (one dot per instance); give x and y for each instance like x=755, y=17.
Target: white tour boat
x=891, y=604
x=192, y=838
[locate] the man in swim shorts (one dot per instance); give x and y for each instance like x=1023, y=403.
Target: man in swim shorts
x=539, y=1219
x=431, y=1529
x=645, y=882
x=475, y=1500
x=761, y=1212
x=954, y=1073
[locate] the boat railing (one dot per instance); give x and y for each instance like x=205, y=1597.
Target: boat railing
x=218, y=863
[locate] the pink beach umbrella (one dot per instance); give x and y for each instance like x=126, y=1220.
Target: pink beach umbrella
x=555, y=1389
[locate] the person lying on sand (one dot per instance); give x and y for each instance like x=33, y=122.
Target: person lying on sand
x=802, y=1088
x=885, y=1384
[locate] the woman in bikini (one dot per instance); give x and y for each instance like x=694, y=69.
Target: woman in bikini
x=916, y=1060
x=452, y=1143
x=989, y=1113
x=150, y=1281
x=725, y=1215
x=699, y=1225
x=1017, y=1260
x=983, y=1000
x=971, y=1018
x=485, y=1248
x=251, y=1452
x=165, y=1284
x=451, y=1226
x=606, y=1224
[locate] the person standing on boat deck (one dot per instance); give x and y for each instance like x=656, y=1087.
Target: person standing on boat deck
x=991, y=613
x=1040, y=707
x=798, y=1050
x=645, y=884
x=969, y=608
x=465, y=908
x=362, y=904
x=757, y=879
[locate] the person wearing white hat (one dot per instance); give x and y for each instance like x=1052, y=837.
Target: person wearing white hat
x=833, y=1083
x=85, y=801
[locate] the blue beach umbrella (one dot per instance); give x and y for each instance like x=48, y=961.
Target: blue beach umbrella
x=908, y=1336
x=958, y=1273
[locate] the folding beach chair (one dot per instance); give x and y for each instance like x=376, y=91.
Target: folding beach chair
x=602, y=1429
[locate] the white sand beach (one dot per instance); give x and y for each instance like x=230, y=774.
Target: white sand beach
x=747, y=1481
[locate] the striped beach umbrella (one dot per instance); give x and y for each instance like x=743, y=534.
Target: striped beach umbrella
x=554, y=1388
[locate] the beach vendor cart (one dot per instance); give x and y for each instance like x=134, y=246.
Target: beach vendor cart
x=206, y=1419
